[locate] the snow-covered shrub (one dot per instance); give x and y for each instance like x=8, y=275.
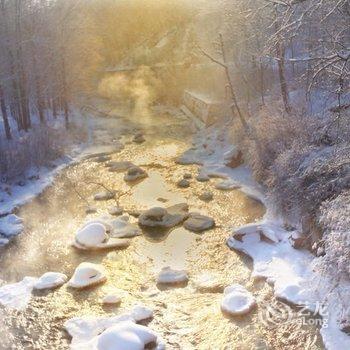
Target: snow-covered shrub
x=302, y=161
x=38, y=147
x=335, y=218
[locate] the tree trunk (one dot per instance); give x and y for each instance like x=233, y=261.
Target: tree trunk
x=4, y=115
x=280, y=51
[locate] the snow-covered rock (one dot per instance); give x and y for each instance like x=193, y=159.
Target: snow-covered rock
x=112, y=333
x=104, y=195
x=198, y=223
x=17, y=295
x=183, y=183
x=170, y=276
x=50, y=280
x=237, y=300
x=202, y=178
x=164, y=217
x=141, y=312
x=135, y=173
x=111, y=299
x=102, y=159
x=265, y=229
x=206, y=196
x=122, y=228
x=115, y=211
x=138, y=138
x=11, y=225
x=208, y=282
x=119, y=166
x=86, y=275
x=125, y=336
x=94, y=236
x=90, y=210
x=227, y=185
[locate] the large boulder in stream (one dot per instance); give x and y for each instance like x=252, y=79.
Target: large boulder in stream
x=198, y=223
x=164, y=217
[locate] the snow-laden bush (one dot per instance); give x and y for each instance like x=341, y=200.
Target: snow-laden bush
x=335, y=218
x=38, y=147
x=302, y=161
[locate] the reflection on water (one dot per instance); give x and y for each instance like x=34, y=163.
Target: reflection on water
x=170, y=252
x=154, y=192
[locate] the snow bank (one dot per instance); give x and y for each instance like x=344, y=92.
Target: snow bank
x=291, y=272
x=17, y=295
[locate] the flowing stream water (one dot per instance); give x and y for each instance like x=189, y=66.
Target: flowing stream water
x=185, y=317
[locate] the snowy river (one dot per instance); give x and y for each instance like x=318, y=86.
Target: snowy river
x=186, y=317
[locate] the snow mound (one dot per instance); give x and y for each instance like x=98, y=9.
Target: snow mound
x=50, y=280
x=11, y=225
x=17, y=295
x=237, y=300
x=170, y=276
x=86, y=275
x=113, y=333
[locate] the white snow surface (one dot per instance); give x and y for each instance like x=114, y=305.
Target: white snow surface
x=291, y=272
x=50, y=280
x=17, y=295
